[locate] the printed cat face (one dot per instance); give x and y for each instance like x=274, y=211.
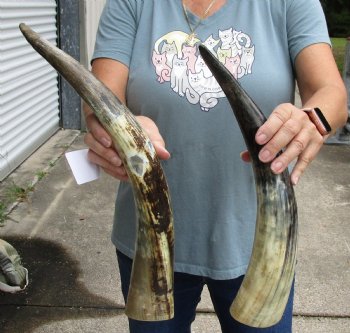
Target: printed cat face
x=195, y=78
x=249, y=51
x=232, y=61
x=224, y=53
x=179, y=62
x=210, y=42
x=169, y=48
x=226, y=35
x=189, y=51
x=158, y=59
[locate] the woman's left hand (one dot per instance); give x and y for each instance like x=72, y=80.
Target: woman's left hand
x=290, y=129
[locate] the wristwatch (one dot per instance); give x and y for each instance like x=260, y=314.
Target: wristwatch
x=317, y=117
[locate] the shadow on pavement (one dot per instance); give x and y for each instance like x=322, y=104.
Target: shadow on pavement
x=55, y=292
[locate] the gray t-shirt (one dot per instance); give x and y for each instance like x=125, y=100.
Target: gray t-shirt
x=212, y=190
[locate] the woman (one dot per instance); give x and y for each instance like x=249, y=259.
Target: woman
x=147, y=54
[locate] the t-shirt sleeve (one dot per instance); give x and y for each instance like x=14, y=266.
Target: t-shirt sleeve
x=116, y=32
x=306, y=25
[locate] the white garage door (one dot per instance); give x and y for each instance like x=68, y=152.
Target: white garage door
x=29, y=110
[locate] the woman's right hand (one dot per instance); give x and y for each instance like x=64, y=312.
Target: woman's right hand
x=102, y=152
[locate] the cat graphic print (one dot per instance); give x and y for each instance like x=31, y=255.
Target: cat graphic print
x=181, y=65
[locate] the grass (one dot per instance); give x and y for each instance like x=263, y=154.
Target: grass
x=339, y=47
x=3, y=214
x=41, y=174
x=12, y=193
x=15, y=192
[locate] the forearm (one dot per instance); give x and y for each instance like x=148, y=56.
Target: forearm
x=321, y=85
x=113, y=74
x=332, y=100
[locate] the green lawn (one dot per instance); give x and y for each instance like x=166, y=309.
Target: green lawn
x=339, y=46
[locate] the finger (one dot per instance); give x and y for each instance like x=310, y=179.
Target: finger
x=153, y=134
x=113, y=170
x=108, y=154
x=99, y=133
x=304, y=159
x=122, y=176
x=117, y=176
x=275, y=121
x=282, y=138
x=162, y=153
x=306, y=138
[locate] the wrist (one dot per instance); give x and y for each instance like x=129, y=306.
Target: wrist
x=319, y=120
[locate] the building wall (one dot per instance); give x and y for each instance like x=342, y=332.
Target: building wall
x=34, y=101
x=29, y=110
x=69, y=42
x=91, y=11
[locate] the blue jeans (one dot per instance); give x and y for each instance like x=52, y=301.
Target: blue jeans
x=187, y=294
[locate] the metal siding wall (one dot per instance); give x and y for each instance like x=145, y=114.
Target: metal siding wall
x=29, y=112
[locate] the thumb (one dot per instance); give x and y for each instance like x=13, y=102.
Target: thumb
x=152, y=132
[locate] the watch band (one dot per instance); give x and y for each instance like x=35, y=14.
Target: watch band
x=317, y=117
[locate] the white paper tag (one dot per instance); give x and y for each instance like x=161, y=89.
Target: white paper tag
x=83, y=170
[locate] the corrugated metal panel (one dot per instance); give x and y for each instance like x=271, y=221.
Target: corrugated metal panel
x=29, y=112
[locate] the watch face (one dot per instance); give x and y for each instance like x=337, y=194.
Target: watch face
x=323, y=120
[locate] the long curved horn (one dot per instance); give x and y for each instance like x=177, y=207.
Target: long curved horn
x=151, y=288
x=263, y=295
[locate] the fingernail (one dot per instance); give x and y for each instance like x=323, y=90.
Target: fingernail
x=295, y=180
x=277, y=166
x=163, y=150
x=264, y=155
x=105, y=142
x=116, y=161
x=261, y=137
x=167, y=153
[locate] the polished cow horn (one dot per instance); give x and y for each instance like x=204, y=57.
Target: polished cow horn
x=151, y=288
x=263, y=295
